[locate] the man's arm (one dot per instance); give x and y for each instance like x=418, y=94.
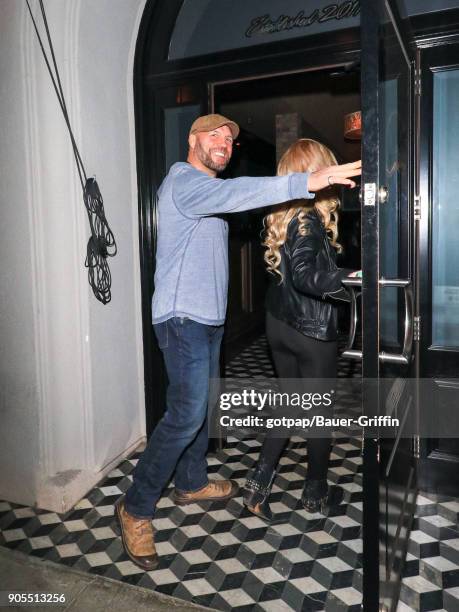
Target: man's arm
x=197, y=194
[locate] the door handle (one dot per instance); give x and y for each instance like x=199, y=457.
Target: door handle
x=403, y=358
x=383, y=195
x=352, y=284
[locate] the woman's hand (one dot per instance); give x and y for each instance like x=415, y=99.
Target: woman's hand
x=334, y=175
x=356, y=274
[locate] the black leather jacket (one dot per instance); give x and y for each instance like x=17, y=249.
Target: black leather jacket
x=305, y=299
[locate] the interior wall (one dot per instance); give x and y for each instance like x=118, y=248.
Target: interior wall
x=72, y=393
x=322, y=113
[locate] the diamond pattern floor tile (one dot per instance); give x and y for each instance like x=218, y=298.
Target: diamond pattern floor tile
x=223, y=557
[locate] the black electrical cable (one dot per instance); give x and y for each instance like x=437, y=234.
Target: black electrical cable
x=102, y=243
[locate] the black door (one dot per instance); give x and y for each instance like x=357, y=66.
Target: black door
x=388, y=289
x=439, y=257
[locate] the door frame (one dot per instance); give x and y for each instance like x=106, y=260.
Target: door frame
x=370, y=345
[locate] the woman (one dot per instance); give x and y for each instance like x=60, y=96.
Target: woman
x=301, y=243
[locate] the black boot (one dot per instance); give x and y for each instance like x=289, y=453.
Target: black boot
x=257, y=490
x=315, y=496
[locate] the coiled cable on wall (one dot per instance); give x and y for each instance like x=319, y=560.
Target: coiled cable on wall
x=101, y=243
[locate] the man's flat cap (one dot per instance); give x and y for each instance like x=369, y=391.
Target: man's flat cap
x=207, y=123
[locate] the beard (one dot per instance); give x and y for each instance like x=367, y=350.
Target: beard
x=206, y=158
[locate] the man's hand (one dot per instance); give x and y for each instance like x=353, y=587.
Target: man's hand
x=334, y=175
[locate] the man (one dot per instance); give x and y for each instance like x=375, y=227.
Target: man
x=189, y=308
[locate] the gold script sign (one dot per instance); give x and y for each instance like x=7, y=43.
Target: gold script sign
x=265, y=24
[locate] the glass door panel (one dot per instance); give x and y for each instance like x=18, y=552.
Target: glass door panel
x=438, y=257
x=394, y=176
x=177, y=122
x=175, y=109
x=445, y=210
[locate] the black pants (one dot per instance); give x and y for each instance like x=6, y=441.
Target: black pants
x=299, y=356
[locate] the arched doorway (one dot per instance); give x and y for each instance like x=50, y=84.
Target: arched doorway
x=172, y=87
x=173, y=84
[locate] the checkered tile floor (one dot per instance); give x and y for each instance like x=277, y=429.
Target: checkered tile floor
x=432, y=568
x=221, y=556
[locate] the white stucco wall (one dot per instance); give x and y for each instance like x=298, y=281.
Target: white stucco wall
x=71, y=369
x=19, y=381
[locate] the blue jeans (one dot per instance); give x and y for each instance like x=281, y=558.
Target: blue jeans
x=179, y=442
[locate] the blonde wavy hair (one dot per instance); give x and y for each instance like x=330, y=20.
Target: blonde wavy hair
x=304, y=155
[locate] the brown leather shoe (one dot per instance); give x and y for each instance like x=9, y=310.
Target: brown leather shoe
x=213, y=491
x=137, y=537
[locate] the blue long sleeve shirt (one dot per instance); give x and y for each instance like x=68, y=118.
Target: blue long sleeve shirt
x=191, y=277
